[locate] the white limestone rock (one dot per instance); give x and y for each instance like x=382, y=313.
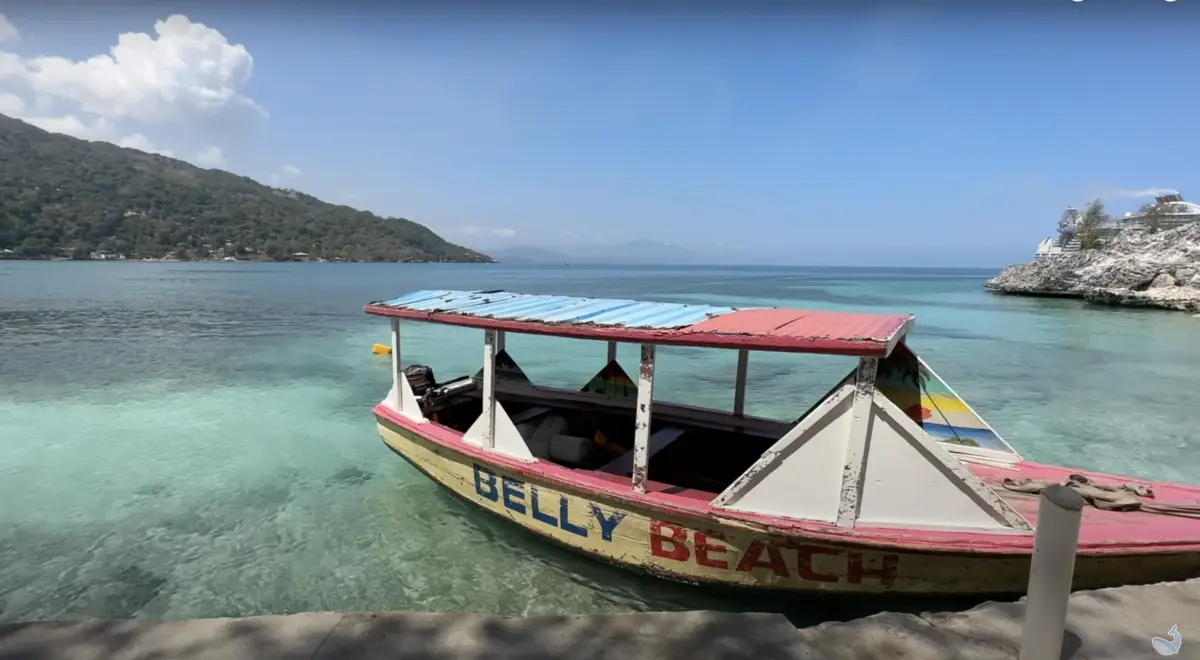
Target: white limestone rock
x=1144, y=270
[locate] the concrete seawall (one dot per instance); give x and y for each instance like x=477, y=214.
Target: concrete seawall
x=1110, y=623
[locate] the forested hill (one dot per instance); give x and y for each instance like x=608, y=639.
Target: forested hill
x=61, y=196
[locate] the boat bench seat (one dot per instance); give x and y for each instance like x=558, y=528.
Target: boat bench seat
x=623, y=464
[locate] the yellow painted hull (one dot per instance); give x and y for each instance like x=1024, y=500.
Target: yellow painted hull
x=708, y=549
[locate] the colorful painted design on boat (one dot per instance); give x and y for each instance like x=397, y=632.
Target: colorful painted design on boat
x=611, y=381
x=926, y=398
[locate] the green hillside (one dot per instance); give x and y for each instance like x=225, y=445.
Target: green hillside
x=61, y=196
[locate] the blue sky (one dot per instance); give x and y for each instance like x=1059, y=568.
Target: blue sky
x=883, y=135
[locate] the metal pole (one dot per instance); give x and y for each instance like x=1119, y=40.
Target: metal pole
x=739, y=388
x=612, y=351
x=641, y=429
x=1060, y=511
x=397, y=401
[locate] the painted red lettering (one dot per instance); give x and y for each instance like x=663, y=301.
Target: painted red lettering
x=886, y=573
x=804, y=558
x=753, y=559
x=704, y=546
x=676, y=536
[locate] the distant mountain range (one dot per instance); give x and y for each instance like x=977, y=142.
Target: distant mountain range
x=632, y=252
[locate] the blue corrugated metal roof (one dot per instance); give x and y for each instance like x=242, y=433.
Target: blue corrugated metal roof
x=558, y=309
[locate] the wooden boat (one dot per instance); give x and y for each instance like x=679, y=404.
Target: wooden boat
x=890, y=483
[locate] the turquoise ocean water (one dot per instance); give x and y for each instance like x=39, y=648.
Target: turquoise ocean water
x=189, y=440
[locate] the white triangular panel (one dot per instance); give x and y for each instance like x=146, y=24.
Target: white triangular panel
x=911, y=480
x=908, y=478
x=800, y=476
x=508, y=439
x=407, y=405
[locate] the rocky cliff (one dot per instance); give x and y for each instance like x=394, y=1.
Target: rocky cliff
x=1144, y=270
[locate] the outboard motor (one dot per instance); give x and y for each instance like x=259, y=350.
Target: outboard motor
x=420, y=379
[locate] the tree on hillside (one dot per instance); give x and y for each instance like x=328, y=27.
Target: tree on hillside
x=1152, y=216
x=1087, y=230
x=61, y=196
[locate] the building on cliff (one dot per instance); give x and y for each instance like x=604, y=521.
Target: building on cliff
x=1167, y=212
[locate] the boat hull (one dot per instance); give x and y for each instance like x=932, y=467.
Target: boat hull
x=713, y=549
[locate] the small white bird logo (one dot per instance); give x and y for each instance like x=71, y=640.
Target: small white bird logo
x=1165, y=646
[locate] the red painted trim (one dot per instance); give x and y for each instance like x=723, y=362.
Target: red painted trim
x=658, y=499
x=679, y=337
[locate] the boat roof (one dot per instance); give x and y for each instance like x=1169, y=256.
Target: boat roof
x=709, y=326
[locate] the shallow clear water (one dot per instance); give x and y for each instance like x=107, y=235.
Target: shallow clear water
x=186, y=440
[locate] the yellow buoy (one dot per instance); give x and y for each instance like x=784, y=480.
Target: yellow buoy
x=382, y=349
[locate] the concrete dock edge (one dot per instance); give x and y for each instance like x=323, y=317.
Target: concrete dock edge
x=1101, y=625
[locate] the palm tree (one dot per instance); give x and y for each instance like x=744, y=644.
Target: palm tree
x=1087, y=229
x=1152, y=216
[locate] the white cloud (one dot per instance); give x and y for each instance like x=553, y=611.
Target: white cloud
x=139, y=141
x=98, y=129
x=1125, y=193
x=184, y=74
x=10, y=65
x=11, y=104
x=285, y=172
x=8, y=31
x=210, y=156
x=189, y=68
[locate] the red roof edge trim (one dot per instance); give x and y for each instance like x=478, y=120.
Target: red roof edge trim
x=889, y=330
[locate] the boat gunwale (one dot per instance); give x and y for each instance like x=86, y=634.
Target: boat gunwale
x=919, y=540
x=863, y=347
x=652, y=571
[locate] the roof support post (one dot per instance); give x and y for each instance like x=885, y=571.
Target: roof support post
x=490, y=340
x=500, y=341
x=397, y=398
x=739, y=390
x=641, y=429
x=612, y=351
x=855, y=463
